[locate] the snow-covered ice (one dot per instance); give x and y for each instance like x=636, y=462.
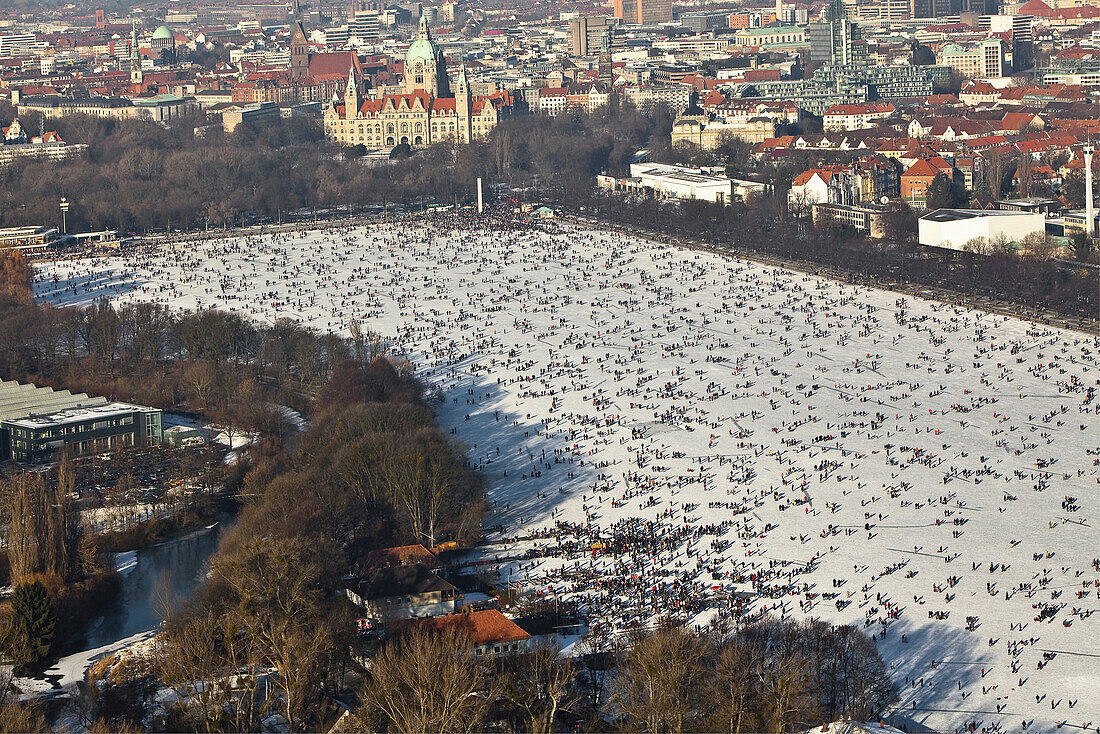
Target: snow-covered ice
x=660, y=427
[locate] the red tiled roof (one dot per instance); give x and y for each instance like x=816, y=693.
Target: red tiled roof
x=803, y=178
x=923, y=168
x=943, y=99
x=335, y=63
x=484, y=627
x=1017, y=120
x=1082, y=12
x=979, y=88
x=402, y=555
x=1035, y=7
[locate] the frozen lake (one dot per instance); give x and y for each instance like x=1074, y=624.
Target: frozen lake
x=924, y=471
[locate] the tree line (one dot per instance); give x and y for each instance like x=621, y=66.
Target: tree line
x=773, y=675
x=138, y=175
x=213, y=362
x=270, y=633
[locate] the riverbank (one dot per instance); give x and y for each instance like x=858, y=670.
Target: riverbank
x=198, y=514
x=151, y=581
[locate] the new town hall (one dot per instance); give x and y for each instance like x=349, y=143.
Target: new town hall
x=427, y=112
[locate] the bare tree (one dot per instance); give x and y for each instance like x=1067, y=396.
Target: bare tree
x=541, y=685
x=659, y=687
x=425, y=682
x=43, y=532
x=785, y=682
x=732, y=692
x=977, y=246
x=1039, y=245
x=995, y=164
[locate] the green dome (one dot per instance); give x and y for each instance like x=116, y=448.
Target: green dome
x=162, y=34
x=422, y=49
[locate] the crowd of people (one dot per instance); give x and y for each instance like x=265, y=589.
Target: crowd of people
x=666, y=433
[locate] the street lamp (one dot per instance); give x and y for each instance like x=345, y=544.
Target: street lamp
x=64, y=210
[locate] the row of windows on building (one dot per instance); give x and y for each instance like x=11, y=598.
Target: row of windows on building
x=72, y=430
x=21, y=447
x=498, y=649
x=369, y=133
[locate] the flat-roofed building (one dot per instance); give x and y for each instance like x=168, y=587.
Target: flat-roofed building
x=677, y=182
x=158, y=108
x=980, y=61
x=776, y=35
x=258, y=113
x=29, y=239
x=35, y=422
x=586, y=34
x=867, y=218
x=39, y=437
x=642, y=12
x=952, y=229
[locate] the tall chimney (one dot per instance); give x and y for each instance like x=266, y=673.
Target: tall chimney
x=481, y=203
x=1089, y=216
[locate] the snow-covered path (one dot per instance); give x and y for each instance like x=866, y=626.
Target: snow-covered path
x=924, y=471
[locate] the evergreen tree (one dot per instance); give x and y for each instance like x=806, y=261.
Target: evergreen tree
x=939, y=194
x=32, y=628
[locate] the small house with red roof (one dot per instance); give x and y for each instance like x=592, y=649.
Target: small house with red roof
x=487, y=632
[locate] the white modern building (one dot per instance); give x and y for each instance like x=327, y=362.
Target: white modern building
x=678, y=182
x=953, y=228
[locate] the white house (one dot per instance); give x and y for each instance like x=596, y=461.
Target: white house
x=820, y=186
x=841, y=117
x=553, y=101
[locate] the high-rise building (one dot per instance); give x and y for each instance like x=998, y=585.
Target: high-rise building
x=643, y=12
x=366, y=26
x=626, y=10
x=946, y=8
x=1023, y=37
x=837, y=40
x=654, y=11
x=980, y=61
x=934, y=8
x=586, y=34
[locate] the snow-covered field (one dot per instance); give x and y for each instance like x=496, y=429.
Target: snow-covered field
x=924, y=471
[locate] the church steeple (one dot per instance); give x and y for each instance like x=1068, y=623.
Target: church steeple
x=462, y=84
x=299, y=45
x=351, y=96
x=136, y=76
x=463, y=106
x=605, y=66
